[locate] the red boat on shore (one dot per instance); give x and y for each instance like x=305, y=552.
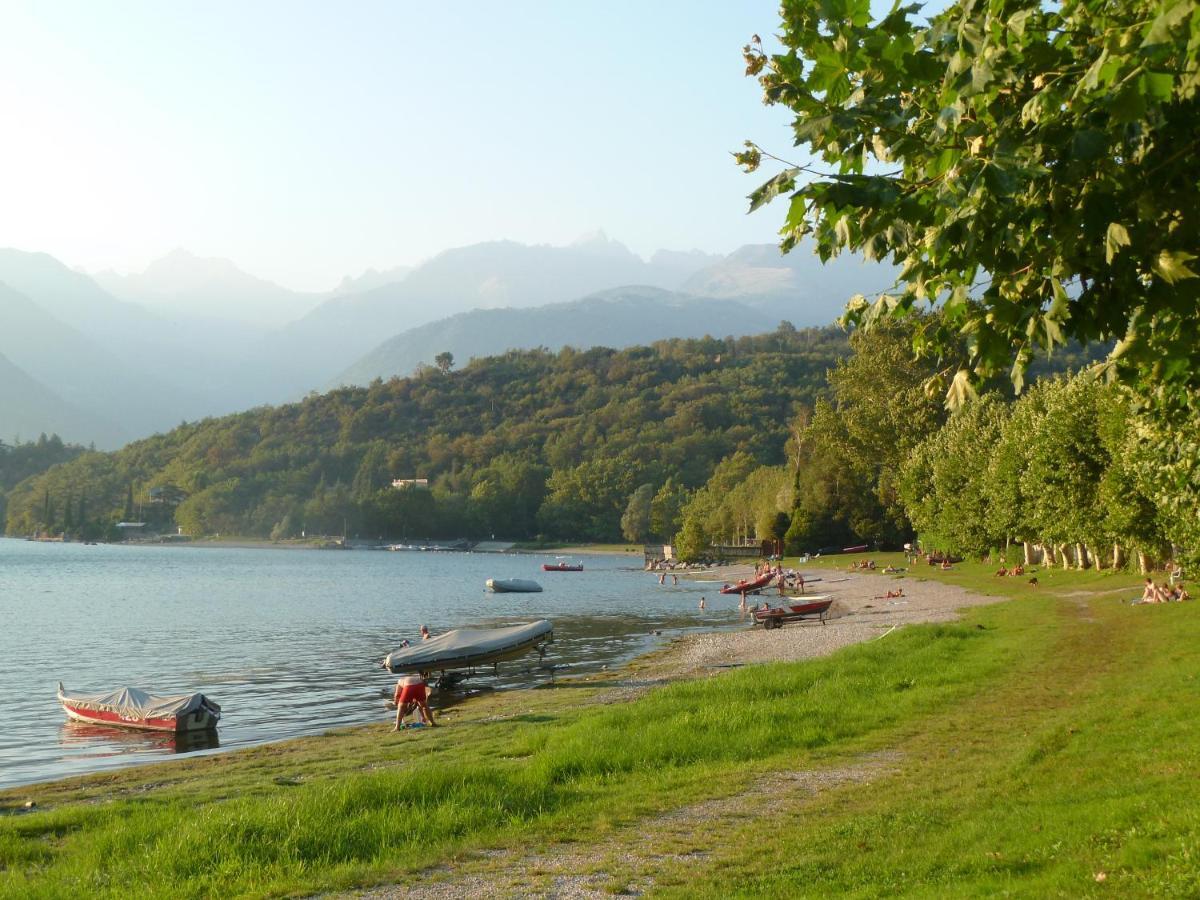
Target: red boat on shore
x=561, y=567
x=795, y=610
x=749, y=587
x=130, y=707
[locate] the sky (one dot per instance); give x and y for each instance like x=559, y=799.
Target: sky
x=307, y=141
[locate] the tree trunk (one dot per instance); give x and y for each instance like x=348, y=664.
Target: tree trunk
x=1028, y=548
x=1097, y=559
x=1143, y=566
x=1118, y=557
x=1048, y=552
x=1080, y=558
x=1064, y=556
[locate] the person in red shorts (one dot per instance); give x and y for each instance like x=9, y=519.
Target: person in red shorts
x=412, y=693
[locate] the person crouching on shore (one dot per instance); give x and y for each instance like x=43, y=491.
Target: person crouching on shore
x=412, y=693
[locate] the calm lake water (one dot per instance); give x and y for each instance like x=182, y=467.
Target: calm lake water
x=287, y=641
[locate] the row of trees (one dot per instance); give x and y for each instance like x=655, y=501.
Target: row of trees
x=1064, y=467
x=1074, y=465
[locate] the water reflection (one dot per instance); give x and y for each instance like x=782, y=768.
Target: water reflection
x=85, y=740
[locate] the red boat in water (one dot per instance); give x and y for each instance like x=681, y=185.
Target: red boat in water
x=561, y=567
x=749, y=587
x=130, y=707
x=795, y=610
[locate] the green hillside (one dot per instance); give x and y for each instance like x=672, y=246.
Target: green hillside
x=518, y=445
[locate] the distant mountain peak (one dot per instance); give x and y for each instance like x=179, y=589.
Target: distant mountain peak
x=370, y=279
x=600, y=244
x=183, y=265
x=595, y=236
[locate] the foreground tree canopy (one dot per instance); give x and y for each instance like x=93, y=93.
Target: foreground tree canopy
x=1031, y=165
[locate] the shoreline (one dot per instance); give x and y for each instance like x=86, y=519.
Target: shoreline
x=857, y=616
x=328, y=543
x=860, y=612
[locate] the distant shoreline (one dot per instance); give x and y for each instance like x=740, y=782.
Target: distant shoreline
x=325, y=544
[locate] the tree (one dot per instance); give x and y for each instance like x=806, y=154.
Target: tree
x=444, y=361
x=666, y=510
x=635, y=523
x=849, y=452
x=943, y=482
x=1029, y=165
x=373, y=472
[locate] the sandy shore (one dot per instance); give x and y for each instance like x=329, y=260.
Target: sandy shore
x=860, y=612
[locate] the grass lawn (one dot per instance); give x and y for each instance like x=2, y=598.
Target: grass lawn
x=1043, y=747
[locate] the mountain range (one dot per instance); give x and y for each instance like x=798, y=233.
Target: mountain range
x=111, y=357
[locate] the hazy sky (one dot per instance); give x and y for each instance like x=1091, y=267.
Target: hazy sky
x=306, y=141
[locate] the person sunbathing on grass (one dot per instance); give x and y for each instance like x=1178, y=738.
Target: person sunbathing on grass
x=1003, y=570
x=1149, y=593
x=946, y=565
x=1178, y=594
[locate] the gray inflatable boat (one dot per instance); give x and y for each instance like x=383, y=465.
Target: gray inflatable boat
x=465, y=648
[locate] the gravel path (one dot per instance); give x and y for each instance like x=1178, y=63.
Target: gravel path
x=629, y=861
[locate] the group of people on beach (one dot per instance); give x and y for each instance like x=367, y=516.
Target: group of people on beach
x=1163, y=593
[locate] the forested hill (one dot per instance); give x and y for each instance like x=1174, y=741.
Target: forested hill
x=527, y=443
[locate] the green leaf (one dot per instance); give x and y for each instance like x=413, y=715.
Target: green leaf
x=782, y=182
x=1129, y=105
x=956, y=304
x=1159, y=85
x=1115, y=238
x=1089, y=144
x=1160, y=31
x=1016, y=22
x=1172, y=265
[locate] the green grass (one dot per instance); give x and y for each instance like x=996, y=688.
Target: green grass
x=1075, y=778
x=1042, y=742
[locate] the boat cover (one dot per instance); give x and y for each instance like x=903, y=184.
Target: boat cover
x=513, y=586
x=134, y=703
x=464, y=647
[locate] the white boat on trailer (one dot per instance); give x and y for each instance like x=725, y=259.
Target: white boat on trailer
x=469, y=648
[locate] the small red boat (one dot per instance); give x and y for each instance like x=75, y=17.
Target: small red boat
x=749, y=587
x=796, y=609
x=130, y=707
x=561, y=567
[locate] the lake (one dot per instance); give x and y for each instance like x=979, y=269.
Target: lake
x=287, y=641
